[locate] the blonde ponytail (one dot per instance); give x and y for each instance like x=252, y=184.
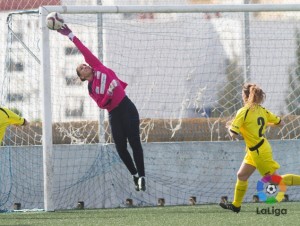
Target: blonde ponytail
x=254, y=95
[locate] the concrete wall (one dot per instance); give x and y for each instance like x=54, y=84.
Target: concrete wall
x=94, y=174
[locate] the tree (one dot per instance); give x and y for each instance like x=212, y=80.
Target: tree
x=230, y=96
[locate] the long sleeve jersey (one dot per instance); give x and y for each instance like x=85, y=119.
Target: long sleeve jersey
x=102, y=78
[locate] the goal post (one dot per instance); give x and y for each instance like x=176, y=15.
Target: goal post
x=201, y=8
x=46, y=113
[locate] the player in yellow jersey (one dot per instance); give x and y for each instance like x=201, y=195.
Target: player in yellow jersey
x=251, y=122
x=7, y=118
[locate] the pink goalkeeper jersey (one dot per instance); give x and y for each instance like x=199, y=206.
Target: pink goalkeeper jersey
x=101, y=80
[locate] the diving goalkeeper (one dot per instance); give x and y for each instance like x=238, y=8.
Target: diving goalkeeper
x=108, y=91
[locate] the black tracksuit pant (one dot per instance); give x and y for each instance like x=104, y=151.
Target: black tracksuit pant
x=125, y=125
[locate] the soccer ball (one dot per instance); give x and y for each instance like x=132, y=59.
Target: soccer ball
x=271, y=189
x=54, y=21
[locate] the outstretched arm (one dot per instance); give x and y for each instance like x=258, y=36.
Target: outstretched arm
x=89, y=57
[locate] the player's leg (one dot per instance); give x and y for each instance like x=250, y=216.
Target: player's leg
x=132, y=122
x=241, y=186
x=267, y=165
x=291, y=179
x=246, y=170
x=120, y=139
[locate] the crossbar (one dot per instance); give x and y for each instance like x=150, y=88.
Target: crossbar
x=172, y=8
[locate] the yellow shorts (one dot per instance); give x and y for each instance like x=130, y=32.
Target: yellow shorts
x=262, y=159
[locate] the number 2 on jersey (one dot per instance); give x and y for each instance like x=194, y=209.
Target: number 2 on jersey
x=261, y=123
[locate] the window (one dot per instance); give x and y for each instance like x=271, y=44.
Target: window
x=71, y=51
x=74, y=107
x=73, y=81
x=15, y=66
x=13, y=97
x=18, y=66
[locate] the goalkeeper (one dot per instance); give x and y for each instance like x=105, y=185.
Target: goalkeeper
x=8, y=117
x=108, y=91
x=251, y=122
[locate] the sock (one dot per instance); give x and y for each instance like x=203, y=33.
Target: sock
x=239, y=192
x=136, y=175
x=291, y=179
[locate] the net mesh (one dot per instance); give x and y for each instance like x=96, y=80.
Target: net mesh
x=199, y=61
x=185, y=73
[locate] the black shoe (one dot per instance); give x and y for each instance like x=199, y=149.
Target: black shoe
x=136, y=183
x=142, y=184
x=230, y=206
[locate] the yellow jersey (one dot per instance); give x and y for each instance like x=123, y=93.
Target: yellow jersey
x=8, y=117
x=251, y=123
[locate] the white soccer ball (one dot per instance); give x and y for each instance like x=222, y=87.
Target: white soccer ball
x=271, y=189
x=54, y=21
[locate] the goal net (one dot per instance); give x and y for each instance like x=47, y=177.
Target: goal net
x=185, y=67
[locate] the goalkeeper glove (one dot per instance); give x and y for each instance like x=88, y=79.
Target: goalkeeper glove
x=65, y=30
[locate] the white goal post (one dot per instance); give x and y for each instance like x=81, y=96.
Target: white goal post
x=173, y=8
x=45, y=59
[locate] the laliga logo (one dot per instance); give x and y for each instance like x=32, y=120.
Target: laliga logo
x=267, y=193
